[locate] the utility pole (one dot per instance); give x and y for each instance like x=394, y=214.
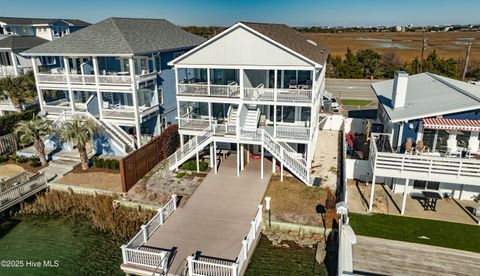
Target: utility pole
x=466, y=60
x=424, y=45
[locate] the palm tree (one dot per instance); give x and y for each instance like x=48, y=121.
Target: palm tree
x=33, y=131
x=18, y=89
x=79, y=132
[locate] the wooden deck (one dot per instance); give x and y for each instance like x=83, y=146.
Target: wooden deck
x=217, y=217
x=389, y=257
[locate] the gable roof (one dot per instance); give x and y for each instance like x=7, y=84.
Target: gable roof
x=39, y=21
x=120, y=36
x=292, y=39
x=18, y=43
x=428, y=95
x=280, y=34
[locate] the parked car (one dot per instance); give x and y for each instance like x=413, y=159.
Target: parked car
x=335, y=105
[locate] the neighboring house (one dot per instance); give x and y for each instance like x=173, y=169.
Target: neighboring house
x=254, y=86
x=430, y=141
x=13, y=64
x=114, y=72
x=20, y=34
x=46, y=28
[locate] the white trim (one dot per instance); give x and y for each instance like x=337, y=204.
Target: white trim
x=439, y=113
x=233, y=28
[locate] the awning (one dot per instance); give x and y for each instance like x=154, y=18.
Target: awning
x=451, y=124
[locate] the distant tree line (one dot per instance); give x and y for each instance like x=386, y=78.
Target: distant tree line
x=368, y=63
x=206, y=32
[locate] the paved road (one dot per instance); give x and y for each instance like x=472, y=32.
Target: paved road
x=351, y=89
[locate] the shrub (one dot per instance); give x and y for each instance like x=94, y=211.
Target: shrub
x=8, y=122
x=102, y=163
x=3, y=158
x=35, y=162
x=21, y=159
x=192, y=165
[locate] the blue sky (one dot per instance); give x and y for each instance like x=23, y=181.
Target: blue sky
x=227, y=12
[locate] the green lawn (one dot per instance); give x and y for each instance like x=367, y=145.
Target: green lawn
x=355, y=102
x=440, y=233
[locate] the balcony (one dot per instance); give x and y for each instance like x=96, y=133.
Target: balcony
x=6, y=71
x=302, y=95
x=427, y=166
x=126, y=112
x=109, y=79
x=57, y=106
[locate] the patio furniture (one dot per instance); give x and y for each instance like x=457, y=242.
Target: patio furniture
x=430, y=200
x=420, y=146
x=409, y=146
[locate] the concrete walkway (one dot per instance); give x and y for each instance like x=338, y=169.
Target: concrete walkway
x=217, y=217
x=389, y=257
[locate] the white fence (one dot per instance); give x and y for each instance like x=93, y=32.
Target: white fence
x=8, y=144
x=216, y=267
x=22, y=191
x=134, y=252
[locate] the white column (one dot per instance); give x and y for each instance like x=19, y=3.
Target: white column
x=198, y=162
x=67, y=74
x=404, y=201
x=209, y=113
x=420, y=132
x=135, y=100
x=281, y=165
x=182, y=140
x=273, y=164
x=473, y=142
x=435, y=138
x=372, y=194
x=400, y=135
x=242, y=158
x=242, y=92
x=261, y=161
x=14, y=63
x=215, y=155
x=282, y=79
x=238, y=159
x=39, y=91
x=97, y=85
x=211, y=155
x=275, y=86
x=208, y=81
x=190, y=265
x=274, y=120
x=176, y=91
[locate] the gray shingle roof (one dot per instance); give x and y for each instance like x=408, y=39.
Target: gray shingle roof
x=18, y=43
x=429, y=95
x=31, y=21
x=121, y=36
x=292, y=39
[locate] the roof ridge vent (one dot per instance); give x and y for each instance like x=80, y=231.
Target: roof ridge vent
x=466, y=93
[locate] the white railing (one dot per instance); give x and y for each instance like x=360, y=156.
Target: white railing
x=82, y=79
x=7, y=71
x=121, y=133
x=6, y=101
x=424, y=166
x=56, y=108
x=228, y=91
x=184, y=152
x=259, y=93
x=114, y=80
x=346, y=238
x=294, y=95
x=217, y=267
x=146, y=76
x=22, y=191
x=293, y=132
x=127, y=113
x=193, y=124
x=134, y=252
x=192, y=89
x=51, y=78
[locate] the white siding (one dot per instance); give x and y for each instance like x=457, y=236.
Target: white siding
x=242, y=47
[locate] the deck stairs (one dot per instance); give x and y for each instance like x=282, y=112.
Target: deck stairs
x=232, y=115
x=248, y=117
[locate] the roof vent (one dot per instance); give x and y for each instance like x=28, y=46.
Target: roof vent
x=312, y=42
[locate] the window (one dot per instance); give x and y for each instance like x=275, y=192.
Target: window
x=8, y=30
x=286, y=114
x=160, y=96
x=25, y=29
x=48, y=60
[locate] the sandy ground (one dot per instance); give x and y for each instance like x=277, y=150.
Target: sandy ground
x=407, y=45
x=293, y=201
x=10, y=170
x=96, y=180
x=325, y=163
x=160, y=183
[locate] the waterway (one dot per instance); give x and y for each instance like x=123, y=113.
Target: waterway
x=33, y=245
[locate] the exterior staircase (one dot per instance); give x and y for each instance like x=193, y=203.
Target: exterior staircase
x=251, y=119
x=58, y=168
x=232, y=115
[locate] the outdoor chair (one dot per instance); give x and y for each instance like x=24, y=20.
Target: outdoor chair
x=409, y=146
x=420, y=148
